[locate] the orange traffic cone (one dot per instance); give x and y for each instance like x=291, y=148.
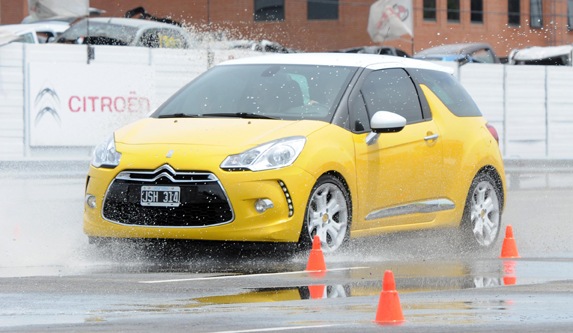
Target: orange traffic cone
x=316, y=292
x=509, y=248
x=316, y=258
x=389, y=308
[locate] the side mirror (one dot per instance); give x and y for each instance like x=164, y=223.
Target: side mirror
x=387, y=122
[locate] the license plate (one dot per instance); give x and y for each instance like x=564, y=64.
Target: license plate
x=162, y=196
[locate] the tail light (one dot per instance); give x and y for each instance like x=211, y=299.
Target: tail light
x=493, y=132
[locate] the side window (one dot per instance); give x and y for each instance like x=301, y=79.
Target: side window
x=484, y=56
x=449, y=90
x=26, y=38
x=150, y=39
x=360, y=121
x=392, y=90
x=163, y=38
x=172, y=39
x=269, y=10
x=385, y=51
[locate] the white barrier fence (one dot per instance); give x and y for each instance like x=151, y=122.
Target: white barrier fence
x=50, y=98
x=531, y=107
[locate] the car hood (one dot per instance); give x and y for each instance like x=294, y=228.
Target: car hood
x=223, y=132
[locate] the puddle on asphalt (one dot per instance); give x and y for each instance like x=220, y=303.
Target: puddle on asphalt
x=410, y=277
x=335, y=286
x=314, y=292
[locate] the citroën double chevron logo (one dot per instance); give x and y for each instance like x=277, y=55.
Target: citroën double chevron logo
x=47, y=102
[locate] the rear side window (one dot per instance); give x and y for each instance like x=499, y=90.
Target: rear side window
x=449, y=90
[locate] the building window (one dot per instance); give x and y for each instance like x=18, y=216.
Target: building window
x=454, y=11
x=269, y=10
x=536, y=14
x=476, y=13
x=429, y=10
x=570, y=14
x=514, y=13
x=322, y=10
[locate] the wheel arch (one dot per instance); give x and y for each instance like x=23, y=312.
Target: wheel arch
x=340, y=177
x=491, y=171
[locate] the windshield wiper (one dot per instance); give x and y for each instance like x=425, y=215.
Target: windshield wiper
x=239, y=115
x=179, y=115
x=231, y=115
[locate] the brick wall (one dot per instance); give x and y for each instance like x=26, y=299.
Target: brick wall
x=13, y=11
x=494, y=30
x=236, y=17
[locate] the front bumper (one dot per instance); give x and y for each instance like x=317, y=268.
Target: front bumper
x=243, y=188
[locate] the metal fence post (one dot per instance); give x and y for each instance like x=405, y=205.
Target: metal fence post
x=505, y=136
x=546, y=111
x=26, y=96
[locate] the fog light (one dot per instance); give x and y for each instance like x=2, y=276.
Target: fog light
x=91, y=201
x=262, y=205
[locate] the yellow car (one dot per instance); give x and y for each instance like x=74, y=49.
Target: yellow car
x=278, y=149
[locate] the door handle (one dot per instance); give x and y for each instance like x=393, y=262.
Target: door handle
x=431, y=137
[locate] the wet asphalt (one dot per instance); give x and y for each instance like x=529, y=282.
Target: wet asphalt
x=52, y=280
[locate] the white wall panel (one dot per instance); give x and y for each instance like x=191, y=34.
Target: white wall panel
x=11, y=55
x=561, y=140
x=174, y=69
x=120, y=55
x=12, y=147
x=12, y=100
x=56, y=53
x=525, y=93
x=560, y=111
x=484, y=82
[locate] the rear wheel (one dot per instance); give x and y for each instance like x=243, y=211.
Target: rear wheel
x=328, y=215
x=481, y=221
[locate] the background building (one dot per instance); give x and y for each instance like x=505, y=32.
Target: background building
x=322, y=25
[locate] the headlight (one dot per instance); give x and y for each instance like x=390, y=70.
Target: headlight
x=271, y=155
x=105, y=154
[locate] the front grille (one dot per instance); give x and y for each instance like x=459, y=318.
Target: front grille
x=203, y=200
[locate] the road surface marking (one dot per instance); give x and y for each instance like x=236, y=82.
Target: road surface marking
x=249, y=275
x=276, y=329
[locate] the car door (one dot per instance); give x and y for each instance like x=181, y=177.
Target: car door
x=163, y=38
x=397, y=173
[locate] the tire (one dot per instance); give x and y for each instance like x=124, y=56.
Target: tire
x=481, y=221
x=328, y=194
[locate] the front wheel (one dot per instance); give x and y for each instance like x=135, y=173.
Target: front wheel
x=481, y=221
x=328, y=215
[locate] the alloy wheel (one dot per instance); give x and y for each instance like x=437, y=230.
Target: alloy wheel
x=328, y=216
x=485, y=214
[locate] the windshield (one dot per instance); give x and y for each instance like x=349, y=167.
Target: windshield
x=292, y=92
x=99, y=33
